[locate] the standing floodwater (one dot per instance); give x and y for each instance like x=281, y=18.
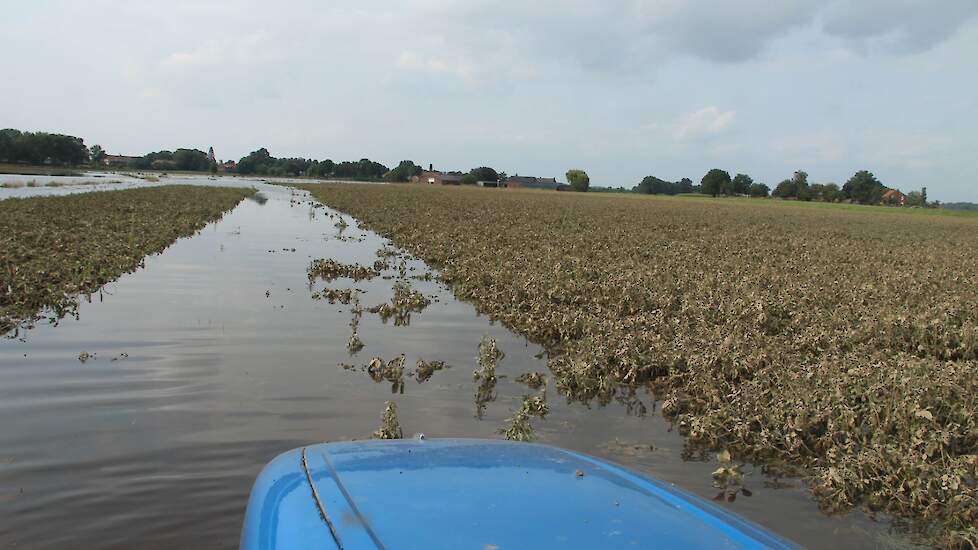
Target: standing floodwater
x=144, y=422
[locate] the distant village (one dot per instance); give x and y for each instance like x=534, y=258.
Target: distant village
x=47, y=149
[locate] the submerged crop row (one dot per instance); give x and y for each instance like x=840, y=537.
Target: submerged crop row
x=54, y=248
x=840, y=343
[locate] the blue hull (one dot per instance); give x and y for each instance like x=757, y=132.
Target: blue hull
x=464, y=493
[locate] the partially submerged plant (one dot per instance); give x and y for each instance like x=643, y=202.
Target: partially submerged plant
x=389, y=426
x=485, y=374
x=424, y=369
x=333, y=295
x=533, y=380
x=392, y=371
x=520, y=428
x=354, y=345
x=329, y=269
x=729, y=478
x=404, y=302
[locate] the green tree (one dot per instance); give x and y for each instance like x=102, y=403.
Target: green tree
x=484, y=173
x=96, y=154
x=831, y=193
x=917, y=198
x=863, y=187
x=758, y=190
x=784, y=190
x=715, y=182
x=800, y=181
x=403, y=171
x=741, y=183
x=469, y=179
x=578, y=180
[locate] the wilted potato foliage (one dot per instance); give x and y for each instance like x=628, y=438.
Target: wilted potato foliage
x=390, y=428
x=54, y=248
x=843, y=341
x=404, y=302
x=485, y=374
x=329, y=269
x=334, y=295
x=520, y=428
x=532, y=379
x=424, y=369
x=392, y=371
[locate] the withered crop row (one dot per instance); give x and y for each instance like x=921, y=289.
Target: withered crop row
x=54, y=248
x=842, y=343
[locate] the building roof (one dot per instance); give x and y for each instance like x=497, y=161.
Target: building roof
x=531, y=182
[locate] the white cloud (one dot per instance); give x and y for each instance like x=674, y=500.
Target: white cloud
x=811, y=148
x=413, y=61
x=703, y=122
x=241, y=50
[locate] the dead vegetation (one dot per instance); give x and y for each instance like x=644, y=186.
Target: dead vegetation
x=841, y=342
x=53, y=249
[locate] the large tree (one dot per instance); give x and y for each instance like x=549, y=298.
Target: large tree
x=758, y=190
x=864, y=187
x=741, y=183
x=96, y=153
x=715, y=181
x=403, y=171
x=578, y=180
x=484, y=173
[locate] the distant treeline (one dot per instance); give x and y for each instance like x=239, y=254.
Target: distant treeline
x=188, y=160
x=41, y=148
x=262, y=163
x=863, y=187
x=960, y=206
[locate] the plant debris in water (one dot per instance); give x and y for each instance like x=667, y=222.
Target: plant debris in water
x=354, y=344
x=533, y=380
x=328, y=269
x=840, y=340
x=520, y=428
x=333, y=295
x=52, y=249
x=392, y=371
x=389, y=426
x=425, y=369
x=485, y=374
x=404, y=302
x=729, y=478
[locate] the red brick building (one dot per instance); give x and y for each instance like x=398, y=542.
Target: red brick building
x=894, y=197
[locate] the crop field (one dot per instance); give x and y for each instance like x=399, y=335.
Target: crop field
x=840, y=344
x=54, y=248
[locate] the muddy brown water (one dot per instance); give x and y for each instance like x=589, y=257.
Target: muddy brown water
x=215, y=358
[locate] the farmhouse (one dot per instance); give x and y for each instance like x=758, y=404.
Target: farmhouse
x=894, y=197
x=434, y=177
x=530, y=182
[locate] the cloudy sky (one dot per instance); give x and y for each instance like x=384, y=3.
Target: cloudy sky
x=622, y=89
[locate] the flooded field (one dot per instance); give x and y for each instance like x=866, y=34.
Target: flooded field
x=144, y=422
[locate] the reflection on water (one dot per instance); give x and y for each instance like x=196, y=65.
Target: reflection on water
x=216, y=357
